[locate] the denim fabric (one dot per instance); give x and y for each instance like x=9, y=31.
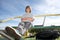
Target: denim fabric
x=23, y=27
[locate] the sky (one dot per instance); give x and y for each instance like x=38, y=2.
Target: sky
x=12, y=8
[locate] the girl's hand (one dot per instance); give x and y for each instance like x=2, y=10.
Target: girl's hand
x=31, y=19
x=23, y=19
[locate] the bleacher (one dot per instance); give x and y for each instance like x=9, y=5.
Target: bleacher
x=35, y=29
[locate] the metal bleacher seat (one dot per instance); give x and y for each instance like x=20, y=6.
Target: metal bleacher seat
x=5, y=35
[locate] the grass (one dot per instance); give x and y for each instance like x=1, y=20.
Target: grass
x=25, y=39
x=3, y=38
x=58, y=39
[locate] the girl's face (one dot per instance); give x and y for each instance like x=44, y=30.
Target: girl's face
x=28, y=10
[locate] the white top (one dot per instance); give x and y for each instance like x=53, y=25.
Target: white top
x=27, y=15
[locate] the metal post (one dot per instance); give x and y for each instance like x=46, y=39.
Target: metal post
x=44, y=20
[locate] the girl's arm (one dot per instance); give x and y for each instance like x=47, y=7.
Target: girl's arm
x=23, y=19
x=31, y=19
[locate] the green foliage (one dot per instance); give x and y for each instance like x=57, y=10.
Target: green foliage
x=37, y=28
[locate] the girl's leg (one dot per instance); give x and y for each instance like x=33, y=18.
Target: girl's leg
x=27, y=25
x=20, y=27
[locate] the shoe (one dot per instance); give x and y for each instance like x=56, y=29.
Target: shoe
x=12, y=32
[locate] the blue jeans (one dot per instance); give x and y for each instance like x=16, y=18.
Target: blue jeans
x=23, y=27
